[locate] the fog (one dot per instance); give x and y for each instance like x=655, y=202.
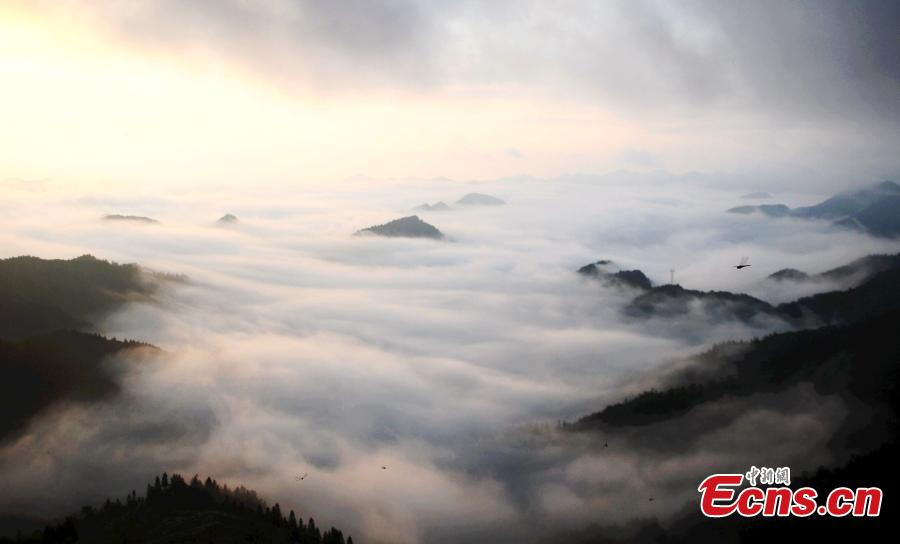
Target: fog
x=295, y=347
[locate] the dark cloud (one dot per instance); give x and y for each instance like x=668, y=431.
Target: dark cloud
x=303, y=43
x=839, y=60
x=834, y=59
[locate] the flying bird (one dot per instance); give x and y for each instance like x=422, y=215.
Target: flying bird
x=745, y=262
x=383, y=468
x=301, y=478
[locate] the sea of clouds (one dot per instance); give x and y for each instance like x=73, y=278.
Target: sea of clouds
x=295, y=347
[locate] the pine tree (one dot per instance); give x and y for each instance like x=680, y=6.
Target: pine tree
x=165, y=480
x=312, y=532
x=333, y=536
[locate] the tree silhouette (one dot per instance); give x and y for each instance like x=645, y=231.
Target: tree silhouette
x=205, y=512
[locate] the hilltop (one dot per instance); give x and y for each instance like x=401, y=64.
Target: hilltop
x=405, y=227
x=130, y=218
x=479, y=199
x=872, y=210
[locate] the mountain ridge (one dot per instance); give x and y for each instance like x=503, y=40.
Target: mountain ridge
x=872, y=209
x=405, y=227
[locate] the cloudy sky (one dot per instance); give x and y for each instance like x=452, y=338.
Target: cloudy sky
x=298, y=92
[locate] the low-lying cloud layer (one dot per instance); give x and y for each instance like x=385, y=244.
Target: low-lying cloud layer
x=298, y=348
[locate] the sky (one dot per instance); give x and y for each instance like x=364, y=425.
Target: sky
x=293, y=92
x=613, y=130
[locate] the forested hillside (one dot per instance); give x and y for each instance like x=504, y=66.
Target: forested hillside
x=174, y=510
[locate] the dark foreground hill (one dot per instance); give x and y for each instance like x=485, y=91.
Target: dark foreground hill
x=853, y=363
x=45, y=364
x=60, y=367
x=879, y=295
x=405, y=227
x=43, y=295
x=856, y=363
x=859, y=360
x=690, y=526
x=175, y=510
x=49, y=352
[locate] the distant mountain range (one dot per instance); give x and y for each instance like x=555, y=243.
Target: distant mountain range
x=874, y=293
x=471, y=199
x=479, y=199
x=673, y=300
x=436, y=207
x=129, y=218
x=771, y=210
x=405, y=227
x=870, y=280
x=850, y=274
x=873, y=210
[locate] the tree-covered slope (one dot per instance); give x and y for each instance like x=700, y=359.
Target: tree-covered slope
x=63, y=366
x=49, y=353
x=41, y=295
x=174, y=510
x=860, y=360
